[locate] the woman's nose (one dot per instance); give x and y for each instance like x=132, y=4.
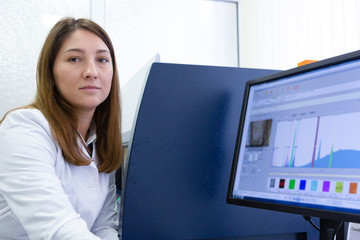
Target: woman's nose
x=90, y=71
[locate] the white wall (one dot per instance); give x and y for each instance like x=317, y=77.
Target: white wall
x=181, y=31
x=273, y=34
x=277, y=34
x=24, y=26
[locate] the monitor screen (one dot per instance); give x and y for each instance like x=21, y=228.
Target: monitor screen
x=298, y=144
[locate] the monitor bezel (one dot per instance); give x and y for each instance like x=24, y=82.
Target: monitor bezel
x=301, y=210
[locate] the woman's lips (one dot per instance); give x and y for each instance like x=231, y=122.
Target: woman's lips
x=90, y=88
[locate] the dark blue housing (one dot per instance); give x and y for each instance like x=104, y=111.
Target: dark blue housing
x=180, y=160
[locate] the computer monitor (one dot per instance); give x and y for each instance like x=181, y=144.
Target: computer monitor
x=298, y=143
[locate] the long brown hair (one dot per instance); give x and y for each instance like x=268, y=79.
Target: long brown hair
x=60, y=114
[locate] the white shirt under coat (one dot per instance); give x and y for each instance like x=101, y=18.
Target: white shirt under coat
x=44, y=197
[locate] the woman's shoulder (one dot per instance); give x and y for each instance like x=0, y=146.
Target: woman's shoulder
x=25, y=113
x=26, y=129
x=25, y=117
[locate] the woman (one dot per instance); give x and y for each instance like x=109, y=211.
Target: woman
x=58, y=156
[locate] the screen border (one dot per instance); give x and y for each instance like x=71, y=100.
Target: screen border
x=301, y=210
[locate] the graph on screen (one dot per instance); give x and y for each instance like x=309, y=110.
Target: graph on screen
x=321, y=142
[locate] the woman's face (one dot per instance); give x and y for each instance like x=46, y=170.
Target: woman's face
x=83, y=70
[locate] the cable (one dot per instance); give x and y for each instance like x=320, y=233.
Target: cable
x=334, y=235
x=307, y=218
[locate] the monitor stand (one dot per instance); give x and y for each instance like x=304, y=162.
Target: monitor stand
x=328, y=228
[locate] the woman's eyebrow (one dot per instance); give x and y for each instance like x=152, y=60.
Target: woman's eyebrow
x=102, y=51
x=83, y=51
x=74, y=50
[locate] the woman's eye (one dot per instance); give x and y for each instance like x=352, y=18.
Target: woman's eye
x=103, y=60
x=74, y=59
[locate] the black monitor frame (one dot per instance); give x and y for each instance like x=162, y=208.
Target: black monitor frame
x=301, y=210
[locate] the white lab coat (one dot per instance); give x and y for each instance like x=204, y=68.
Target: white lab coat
x=44, y=197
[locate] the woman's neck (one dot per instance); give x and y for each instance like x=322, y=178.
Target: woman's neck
x=84, y=121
